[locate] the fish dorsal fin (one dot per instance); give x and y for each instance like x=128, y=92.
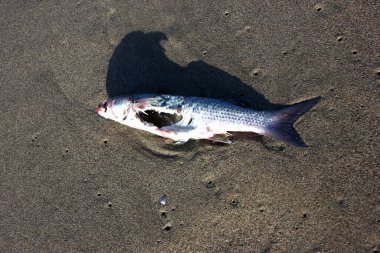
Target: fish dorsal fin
x=238, y=102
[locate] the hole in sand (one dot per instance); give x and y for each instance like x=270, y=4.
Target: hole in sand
x=159, y=119
x=167, y=227
x=318, y=7
x=210, y=184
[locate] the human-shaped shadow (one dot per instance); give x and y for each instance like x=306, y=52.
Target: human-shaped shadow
x=139, y=65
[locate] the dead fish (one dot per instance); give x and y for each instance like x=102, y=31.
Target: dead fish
x=183, y=118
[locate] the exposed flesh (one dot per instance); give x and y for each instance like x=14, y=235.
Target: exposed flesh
x=159, y=119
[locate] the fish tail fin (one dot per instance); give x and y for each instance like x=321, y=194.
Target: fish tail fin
x=281, y=126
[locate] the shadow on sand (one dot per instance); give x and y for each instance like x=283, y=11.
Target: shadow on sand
x=139, y=65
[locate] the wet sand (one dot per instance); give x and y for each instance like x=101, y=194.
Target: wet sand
x=72, y=181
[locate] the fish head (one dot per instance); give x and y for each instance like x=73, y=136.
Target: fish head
x=115, y=109
x=127, y=111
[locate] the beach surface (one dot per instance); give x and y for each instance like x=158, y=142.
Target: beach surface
x=72, y=181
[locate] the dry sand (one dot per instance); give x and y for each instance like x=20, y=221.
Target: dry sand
x=72, y=181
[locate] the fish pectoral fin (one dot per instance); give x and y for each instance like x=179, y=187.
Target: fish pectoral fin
x=177, y=128
x=222, y=138
x=175, y=143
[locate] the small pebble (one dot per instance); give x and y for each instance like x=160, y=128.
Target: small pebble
x=163, y=200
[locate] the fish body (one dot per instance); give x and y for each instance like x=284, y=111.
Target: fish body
x=182, y=118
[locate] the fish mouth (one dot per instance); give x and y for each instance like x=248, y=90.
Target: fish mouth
x=159, y=119
x=102, y=107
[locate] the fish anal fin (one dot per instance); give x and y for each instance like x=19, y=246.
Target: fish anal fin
x=221, y=138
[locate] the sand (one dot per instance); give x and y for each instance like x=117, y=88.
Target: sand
x=72, y=181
